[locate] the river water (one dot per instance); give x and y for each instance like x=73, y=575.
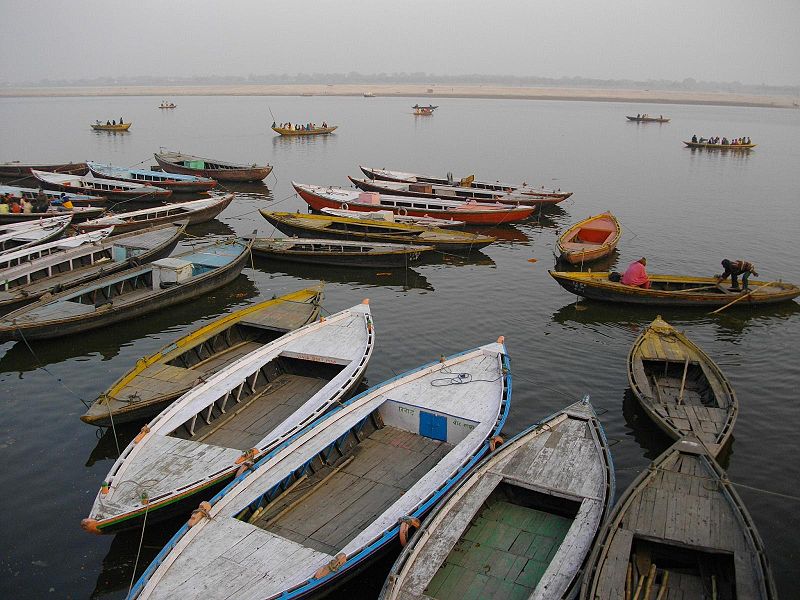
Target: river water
x=684, y=210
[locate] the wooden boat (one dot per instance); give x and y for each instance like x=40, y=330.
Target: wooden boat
x=646, y=119
x=680, y=388
x=196, y=211
x=18, y=169
x=314, y=131
x=387, y=215
x=18, y=236
x=325, y=503
x=470, y=182
x=430, y=107
x=590, y=239
x=368, y=95
x=110, y=188
x=423, y=111
x=673, y=290
x=167, y=105
x=344, y=253
x=31, y=193
x=429, y=190
x=129, y=294
x=161, y=378
x=472, y=213
x=25, y=254
x=707, y=146
x=118, y=127
x=367, y=230
x=169, y=181
x=679, y=531
x=79, y=214
x=536, y=503
x=188, y=164
x=250, y=406
x=54, y=272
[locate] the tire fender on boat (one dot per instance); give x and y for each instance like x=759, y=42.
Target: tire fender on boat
x=402, y=211
x=345, y=206
x=495, y=443
x=199, y=513
x=406, y=523
x=334, y=565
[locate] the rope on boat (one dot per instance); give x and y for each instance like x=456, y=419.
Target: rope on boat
x=46, y=370
x=141, y=540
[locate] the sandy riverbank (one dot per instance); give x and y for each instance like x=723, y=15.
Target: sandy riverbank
x=422, y=91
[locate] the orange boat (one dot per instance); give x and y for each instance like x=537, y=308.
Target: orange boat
x=589, y=239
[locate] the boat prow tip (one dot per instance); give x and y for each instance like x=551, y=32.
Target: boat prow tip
x=501, y=339
x=365, y=301
x=90, y=525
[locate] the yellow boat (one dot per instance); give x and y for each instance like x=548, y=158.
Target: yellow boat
x=590, y=239
x=119, y=127
x=313, y=131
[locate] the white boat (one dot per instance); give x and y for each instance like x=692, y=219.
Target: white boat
x=241, y=413
x=28, y=254
x=110, y=188
x=390, y=217
x=536, y=504
x=16, y=236
x=321, y=505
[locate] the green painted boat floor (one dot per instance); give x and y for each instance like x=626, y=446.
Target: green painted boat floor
x=503, y=554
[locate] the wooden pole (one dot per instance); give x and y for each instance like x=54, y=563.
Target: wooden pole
x=663, y=589
x=629, y=581
x=651, y=578
x=683, y=380
x=742, y=297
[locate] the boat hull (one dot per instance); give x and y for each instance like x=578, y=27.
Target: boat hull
x=114, y=314
x=396, y=256
x=477, y=216
x=598, y=235
x=242, y=175
x=175, y=186
x=703, y=146
x=303, y=132
x=16, y=169
x=123, y=127
x=647, y=119
x=596, y=286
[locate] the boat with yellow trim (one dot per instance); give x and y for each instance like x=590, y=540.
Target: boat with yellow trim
x=291, y=131
x=590, y=239
x=115, y=127
x=674, y=290
x=707, y=146
x=160, y=378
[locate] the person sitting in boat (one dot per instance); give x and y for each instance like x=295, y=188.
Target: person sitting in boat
x=694, y=138
x=273, y=123
x=120, y=120
x=40, y=202
x=734, y=268
x=27, y=207
x=638, y=116
x=14, y=206
x=748, y=141
x=636, y=274
x=107, y=123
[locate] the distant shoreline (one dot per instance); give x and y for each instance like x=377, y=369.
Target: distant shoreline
x=419, y=91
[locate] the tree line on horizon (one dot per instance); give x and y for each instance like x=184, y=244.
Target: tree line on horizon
x=430, y=80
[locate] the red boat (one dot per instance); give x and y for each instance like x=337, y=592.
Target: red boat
x=472, y=213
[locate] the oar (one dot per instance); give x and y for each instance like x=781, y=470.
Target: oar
x=742, y=297
x=683, y=381
x=697, y=289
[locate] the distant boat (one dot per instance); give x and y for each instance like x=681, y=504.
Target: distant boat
x=523, y=522
x=69, y=267
x=112, y=189
x=430, y=107
x=166, y=104
x=368, y=95
x=221, y=427
x=673, y=290
x=707, y=146
x=680, y=527
x=18, y=169
x=290, y=131
x=18, y=236
x=648, y=119
x=326, y=503
x=680, y=387
x=590, y=239
x=469, y=182
x=170, y=181
x=472, y=213
x=343, y=253
x=196, y=211
x=131, y=293
x=198, y=355
x=423, y=111
x=188, y=164
x=119, y=127
x=372, y=230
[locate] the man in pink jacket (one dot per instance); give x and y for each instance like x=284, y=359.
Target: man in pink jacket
x=636, y=275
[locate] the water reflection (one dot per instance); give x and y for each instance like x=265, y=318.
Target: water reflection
x=641, y=428
x=405, y=279
x=111, y=441
x=22, y=358
x=606, y=263
x=503, y=233
x=456, y=260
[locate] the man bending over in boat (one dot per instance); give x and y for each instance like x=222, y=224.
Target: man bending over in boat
x=636, y=275
x=734, y=268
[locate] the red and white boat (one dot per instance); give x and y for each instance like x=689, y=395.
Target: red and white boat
x=472, y=213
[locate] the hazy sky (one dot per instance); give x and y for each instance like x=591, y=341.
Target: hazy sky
x=715, y=40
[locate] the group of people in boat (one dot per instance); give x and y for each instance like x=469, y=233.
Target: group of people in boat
x=12, y=204
x=298, y=127
x=646, y=116
x=113, y=122
x=740, y=141
x=164, y=104
x=636, y=274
